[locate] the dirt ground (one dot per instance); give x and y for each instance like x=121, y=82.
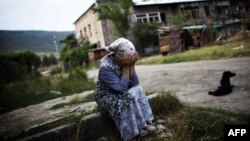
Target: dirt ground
x=191, y=81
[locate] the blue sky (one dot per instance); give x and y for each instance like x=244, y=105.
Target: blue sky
x=52, y=15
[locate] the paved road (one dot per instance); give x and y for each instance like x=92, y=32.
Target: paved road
x=191, y=81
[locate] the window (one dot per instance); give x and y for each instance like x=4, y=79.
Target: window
x=90, y=32
x=153, y=17
x=207, y=11
x=148, y=17
x=85, y=32
x=141, y=18
x=222, y=10
x=191, y=12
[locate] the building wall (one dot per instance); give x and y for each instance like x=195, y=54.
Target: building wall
x=197, y=12
x=108, y=31
x=88, y=27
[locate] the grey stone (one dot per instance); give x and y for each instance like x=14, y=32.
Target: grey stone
x=160, y=127
x=161, y=121
x=95, y=126
x=61, y=133
x=102, y=139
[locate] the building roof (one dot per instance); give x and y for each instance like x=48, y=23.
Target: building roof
x=85, y=12
x=155, y=2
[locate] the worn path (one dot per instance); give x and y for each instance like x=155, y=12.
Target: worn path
x=191, y=82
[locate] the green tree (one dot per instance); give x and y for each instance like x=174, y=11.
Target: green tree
x=76, y=56
x=117, y=12
x=52, y=60
x=178, y=19
x=28, y=59
x=16, y=66
x=45, y=61
x=145, y=35
x=69, y=41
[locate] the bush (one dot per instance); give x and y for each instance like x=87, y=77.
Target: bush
x=56, y=71
x=165, y=103
x=17, y=66
x=77, y=74
x=34, y=90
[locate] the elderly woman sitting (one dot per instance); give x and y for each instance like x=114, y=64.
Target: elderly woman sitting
x=118, y=93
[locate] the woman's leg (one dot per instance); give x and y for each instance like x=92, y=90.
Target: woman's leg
x=140, y=97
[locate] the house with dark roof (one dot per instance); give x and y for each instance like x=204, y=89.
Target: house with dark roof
x=224, y=15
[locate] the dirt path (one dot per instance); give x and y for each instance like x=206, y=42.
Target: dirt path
x=191, y=82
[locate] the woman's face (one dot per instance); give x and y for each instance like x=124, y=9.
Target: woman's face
x=118, y=60
x=124, y=59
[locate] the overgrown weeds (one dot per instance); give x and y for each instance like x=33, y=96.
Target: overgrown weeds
x=193, y=123
x=37, y=89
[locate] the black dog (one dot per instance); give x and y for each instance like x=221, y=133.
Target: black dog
x=226, y=86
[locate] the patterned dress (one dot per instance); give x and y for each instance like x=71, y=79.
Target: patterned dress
x=122, y=99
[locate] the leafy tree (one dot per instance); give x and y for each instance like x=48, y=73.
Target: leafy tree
x=69, y=41
x=16, y=66
x=77, y=55
x=28, y=59
x=178, y=19
x=117, y=12
x=52, y=60
x=145, y=34
x=45, y=61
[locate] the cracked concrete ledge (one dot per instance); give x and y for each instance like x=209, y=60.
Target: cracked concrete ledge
x=90, y=128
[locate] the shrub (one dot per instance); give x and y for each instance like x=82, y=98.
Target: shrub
x=77, y=74
x=17, y=66
x=56, y=71
x=165, y=103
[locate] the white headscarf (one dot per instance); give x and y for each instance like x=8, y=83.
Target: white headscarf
x=119, y=47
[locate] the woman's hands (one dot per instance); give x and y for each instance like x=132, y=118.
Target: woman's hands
x=128, y=63
x=130, y=59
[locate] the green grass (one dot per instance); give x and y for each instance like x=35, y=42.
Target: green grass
x=194, y=123
x=36, y=90
x=209, y=52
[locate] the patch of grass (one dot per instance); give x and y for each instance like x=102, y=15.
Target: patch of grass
x=227, y=50
x=165, y=104
x=36, y=90
x=89, y=98
x=193, y=123
x=207, y=124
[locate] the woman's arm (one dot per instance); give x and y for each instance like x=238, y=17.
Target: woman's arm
x=116, y=83
x=133, y=77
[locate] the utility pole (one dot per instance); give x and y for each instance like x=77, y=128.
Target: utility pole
x=57, y=54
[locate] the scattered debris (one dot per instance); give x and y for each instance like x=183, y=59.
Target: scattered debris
x=240, y=47
x=75, y=109
x=55, y=93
